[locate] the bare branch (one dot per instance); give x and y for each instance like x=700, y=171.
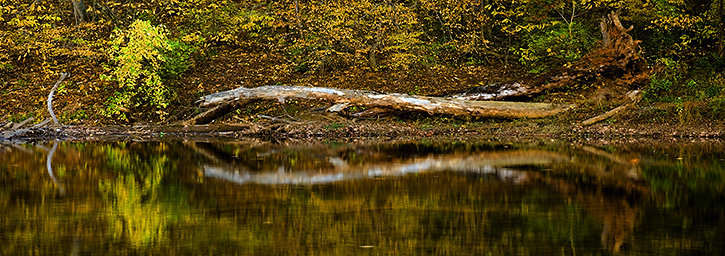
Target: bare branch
x=50, y=97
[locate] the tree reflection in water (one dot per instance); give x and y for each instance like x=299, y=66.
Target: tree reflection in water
x=180, y=198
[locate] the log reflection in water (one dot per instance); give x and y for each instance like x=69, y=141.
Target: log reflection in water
x=609, y=188
x=480, y=163
x=612, y=196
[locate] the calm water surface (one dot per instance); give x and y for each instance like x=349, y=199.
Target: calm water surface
x=337, y=199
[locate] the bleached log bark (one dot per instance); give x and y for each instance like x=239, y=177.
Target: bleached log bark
x=393, y=101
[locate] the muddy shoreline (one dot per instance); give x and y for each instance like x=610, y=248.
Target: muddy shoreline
x=375, y=131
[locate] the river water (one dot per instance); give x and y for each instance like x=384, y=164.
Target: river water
x=192, y=198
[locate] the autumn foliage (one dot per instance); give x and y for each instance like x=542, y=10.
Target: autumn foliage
x=144, y=48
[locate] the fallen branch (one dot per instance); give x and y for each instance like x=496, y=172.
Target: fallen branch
x=41, y=124
x=50, y=97
x=275, y=119
x=24, y=122
x=392, y=101
x=214, y=113
x=632, y=98
x=15, y=129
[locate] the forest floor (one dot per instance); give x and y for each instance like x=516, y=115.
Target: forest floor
x=78, y=103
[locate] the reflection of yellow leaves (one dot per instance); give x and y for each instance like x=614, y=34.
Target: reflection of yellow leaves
x=132, y=215
x=135, y=212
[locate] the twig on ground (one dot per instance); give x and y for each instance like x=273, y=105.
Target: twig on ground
x=288, y=115
x=277, y=119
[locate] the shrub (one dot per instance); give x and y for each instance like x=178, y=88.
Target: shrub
x=556, y=45
x=665, y=80
x=144, y=57
x=717, y=107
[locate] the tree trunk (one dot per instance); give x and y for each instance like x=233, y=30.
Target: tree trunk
x=721, y=29
x=79, y=11
x=297, y=17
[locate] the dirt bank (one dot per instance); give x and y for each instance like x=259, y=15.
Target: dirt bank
x=390, y=130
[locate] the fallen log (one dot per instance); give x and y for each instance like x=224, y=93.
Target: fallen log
x=617, y=59
x=392, y=101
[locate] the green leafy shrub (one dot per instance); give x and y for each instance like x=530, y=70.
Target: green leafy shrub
x=177, y=59
x=665, y=80
x=658, y=89
x=144, y=58
x=556, y=45
x=674, y=79
x=717, y=107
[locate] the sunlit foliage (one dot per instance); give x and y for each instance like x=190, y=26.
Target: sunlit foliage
x=144, y=57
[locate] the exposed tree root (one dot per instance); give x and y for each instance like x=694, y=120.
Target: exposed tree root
x=617, y=59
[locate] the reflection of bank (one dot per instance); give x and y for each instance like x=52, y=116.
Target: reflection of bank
x=605, y=185
x=609, y=188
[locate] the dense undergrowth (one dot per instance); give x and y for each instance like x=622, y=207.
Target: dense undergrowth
x=150, y=60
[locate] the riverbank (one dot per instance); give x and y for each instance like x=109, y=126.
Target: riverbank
x=78, y=107
x=387, y=130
